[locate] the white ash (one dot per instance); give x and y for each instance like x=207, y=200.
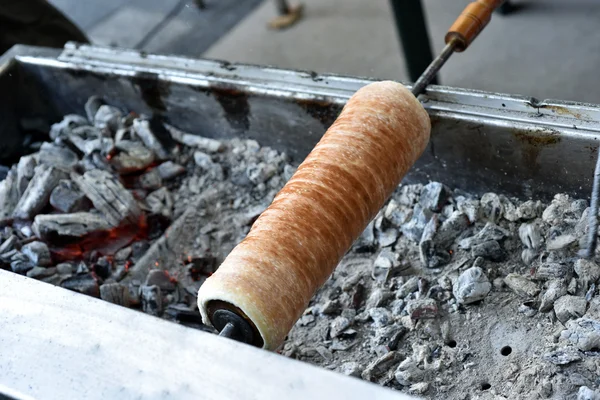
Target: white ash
x=444, y=295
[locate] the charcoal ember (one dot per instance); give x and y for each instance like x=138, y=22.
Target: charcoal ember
x=491, y=207
x=490, y=250
x=109, y=196
x=139, y=249
x=561, y=242
x=509, y=210
x=521, y=285
x=38, y=253
x=585, y=393
x=201, y=143
x=556, y=288
x=104, y=146
x=152, y=301
x=528, y=255
x=123, y=254
x=414, y=228
x=150, y=180
x=554, y=270
x=94, y=161
x=469, y=207
x=52, y=155
x=489, y=232
x=427, y=250
x=103, y=267
x=472, y=285
x=83, y=134
x=143, y=131
x=41, y=272
x=52, y=227
x=3, y=172
x=388, y=237
x=38, y=192
x=563, y=356
x=389, y=336
x=386, y=263
x=422, y=308
x=131, y=157
x=25, y=171
x=169, y=170
x=587, y=271
x=205, y=162
x=554, y=214
x=381, y=366
x=569, y=307
x=82, y=283
x=451, y=228
x=66, y=197
x=529, y=210
x=20, y=263
x=531, y=235
x=408, y=287
x=108, y=117
x=357, y=296
x=115, y=293
x=160, y=202
x=160, y=278
x=378, y=297
x=380, y=316
x=9, y=196
x=9, y=244
x=434, y=196
x=66, y=126
x=65, y=269
x=394, y=214
x=92, y=105
x=584, y=333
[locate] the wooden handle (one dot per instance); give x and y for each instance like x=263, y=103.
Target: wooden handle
x=294, y=246
x=471, y=22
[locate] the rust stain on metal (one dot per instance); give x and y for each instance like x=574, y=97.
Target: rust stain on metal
x=235, y=106
x=322, y=110
x=562, y=111
x=537, y=138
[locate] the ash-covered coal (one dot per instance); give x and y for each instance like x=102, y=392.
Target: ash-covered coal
x=463, y=297
x=136, y=212
x=444, y=295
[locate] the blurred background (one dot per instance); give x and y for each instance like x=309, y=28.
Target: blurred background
x=544, y=48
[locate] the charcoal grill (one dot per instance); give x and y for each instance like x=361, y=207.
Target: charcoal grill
x=59, y=344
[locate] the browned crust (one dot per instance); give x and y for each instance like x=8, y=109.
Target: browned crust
x=296, y=243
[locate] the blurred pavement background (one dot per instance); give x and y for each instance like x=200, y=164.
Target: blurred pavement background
x=545, y=49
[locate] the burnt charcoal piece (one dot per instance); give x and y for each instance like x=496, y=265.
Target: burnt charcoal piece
x=158, y=277
x=131, y=157
x=25, y=171
x=450, y=230
x=413, y=229
x=556, y=289
x=8, y=244
x=108, y=117
x=41, y=272
x=489, y=250
x=472, y=285
x=38, y=192
x=160, y=202
x=64, y=127
x=83, y=283
x=9, y=196
x=102, y=267
x=434, y=196
x=3, y=171
x=109, y=196
x=56, y=156
x=38, y=253
x=143, y=131
x=67, y=198
x=138, y=249
x=95, y=161
x=489, y=232
x=150, y=180
x=92, y=105
x=169, y=170
x=20, y=263
x=199, y=142
x=151, y=297
x=115, y=293
x=52, y=227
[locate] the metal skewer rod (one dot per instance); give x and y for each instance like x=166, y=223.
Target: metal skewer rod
x=434, y=68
